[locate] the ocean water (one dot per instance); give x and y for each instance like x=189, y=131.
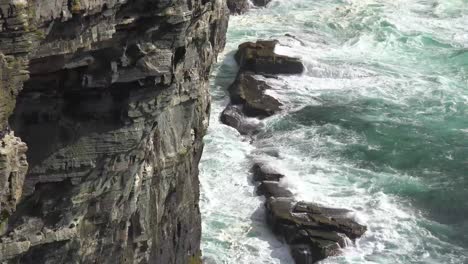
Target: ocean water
x=377, y=124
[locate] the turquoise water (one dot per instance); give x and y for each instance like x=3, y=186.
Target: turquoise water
x=378, y=124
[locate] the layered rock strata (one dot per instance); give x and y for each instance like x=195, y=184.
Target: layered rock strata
x=313, y=232
x=112, y=102
x=249, y=93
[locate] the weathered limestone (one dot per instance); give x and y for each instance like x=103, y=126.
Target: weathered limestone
x=113, y=110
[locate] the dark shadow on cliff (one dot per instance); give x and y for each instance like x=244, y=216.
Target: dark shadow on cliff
x=51, y=114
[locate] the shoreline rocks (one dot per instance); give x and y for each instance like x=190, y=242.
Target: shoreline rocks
x=260, y=57
x=242, y=6
x=233, y=116
x=249, y=93
x=238, y=6
x=314, y=232
x=264, y=172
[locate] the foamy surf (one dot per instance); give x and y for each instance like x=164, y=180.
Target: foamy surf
x=377, y=125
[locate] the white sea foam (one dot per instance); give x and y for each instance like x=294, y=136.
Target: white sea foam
x=351, y=66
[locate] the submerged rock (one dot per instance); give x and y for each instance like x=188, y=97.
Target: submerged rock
x=251, y=93
x=260, y=57
x=314, y=232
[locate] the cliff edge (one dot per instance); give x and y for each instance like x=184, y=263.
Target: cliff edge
x=103, y=107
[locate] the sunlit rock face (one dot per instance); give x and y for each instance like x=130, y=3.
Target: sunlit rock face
x=108, y=101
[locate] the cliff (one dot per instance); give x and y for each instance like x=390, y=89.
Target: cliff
x=103, y=107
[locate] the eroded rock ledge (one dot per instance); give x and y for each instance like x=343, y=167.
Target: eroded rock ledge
x=111, y=99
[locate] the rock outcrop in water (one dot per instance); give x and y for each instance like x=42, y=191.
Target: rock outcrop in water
x=313, y=232
x=238, y=6
x=242, y=6
x=233, y=116
x=108, y=101
x=260, y=58
x=249, y=92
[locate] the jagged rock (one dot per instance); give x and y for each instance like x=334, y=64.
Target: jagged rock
x=113, y=109
x=273, y=189
x=233, y=116
x=260, y=57
x=314, y=232
x=251, y=93
x=263, y=172
x=238, y=6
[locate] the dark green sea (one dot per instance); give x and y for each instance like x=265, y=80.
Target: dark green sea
x=378, y=124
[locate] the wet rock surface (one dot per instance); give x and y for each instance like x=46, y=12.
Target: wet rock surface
x=110, y=100
x=260, y=57
x=242, y=6
x=273, y=189
x=238, y=6
x=313, y=232
x=233, y=116
x=264, y=172
x=261, y=2
x=250, y=92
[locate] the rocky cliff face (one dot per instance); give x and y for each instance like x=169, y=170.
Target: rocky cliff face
x=110, y=98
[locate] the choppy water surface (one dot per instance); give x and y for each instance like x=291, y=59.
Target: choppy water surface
x=378, y=124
